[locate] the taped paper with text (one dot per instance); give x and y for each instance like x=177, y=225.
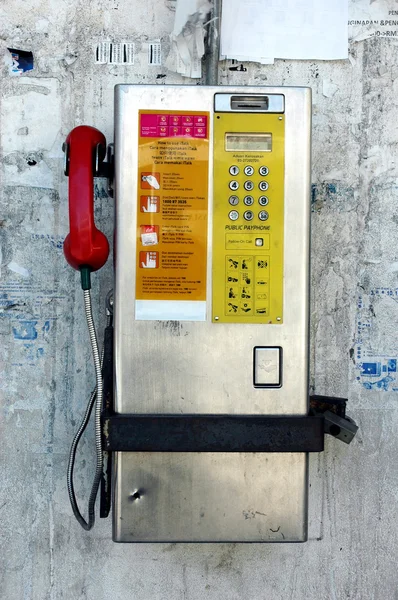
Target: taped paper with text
x=378, y=18
x=117, y=53
x=155, y=53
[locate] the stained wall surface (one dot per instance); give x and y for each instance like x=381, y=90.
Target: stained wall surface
x=46, y=367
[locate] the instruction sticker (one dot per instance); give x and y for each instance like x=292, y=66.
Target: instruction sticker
x=172, y=207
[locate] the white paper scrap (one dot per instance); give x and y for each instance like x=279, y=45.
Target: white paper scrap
x=294, y=29
x=187, y=39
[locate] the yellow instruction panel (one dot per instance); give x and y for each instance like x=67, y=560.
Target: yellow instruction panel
x=172, y=206
x=248, y=218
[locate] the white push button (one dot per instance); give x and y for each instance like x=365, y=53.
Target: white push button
x=263, y=185
x=249, y=170
x=234, y=170
x=263, y=200
x=263, y=171
x=233, y=185
x=233, y=215
x=267, y=366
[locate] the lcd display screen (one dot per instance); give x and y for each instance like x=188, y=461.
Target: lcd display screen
x=248, y=142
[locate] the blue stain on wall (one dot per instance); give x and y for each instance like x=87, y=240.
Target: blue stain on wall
x=32, y=314
x=55, y=241
x=376, y=368
x=331, y=194
x=25, y=330
x=381, y=384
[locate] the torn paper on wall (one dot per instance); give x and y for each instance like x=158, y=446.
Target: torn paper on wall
x=378, y=18
x=21, y=61
x=302, y=29
x=187, y=39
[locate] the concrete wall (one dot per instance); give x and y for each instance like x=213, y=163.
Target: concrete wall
x=47, y=374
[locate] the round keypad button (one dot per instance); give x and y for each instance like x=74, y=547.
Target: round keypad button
x=263, y=171
x=248, y=185
x=248, y=200
x=263, y=215
x=233, y=200
x=248, y=215
x=233, y=185
x=234, y=170
x=249, y=170
x=233, y=215
x=263, y=185
x=263, y=201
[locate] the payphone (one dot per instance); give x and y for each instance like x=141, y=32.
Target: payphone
x=209, y=423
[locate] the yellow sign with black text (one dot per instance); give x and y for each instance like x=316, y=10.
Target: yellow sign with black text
x=172, y=205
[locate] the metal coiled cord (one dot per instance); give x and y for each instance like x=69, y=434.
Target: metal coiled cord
x=96, y=397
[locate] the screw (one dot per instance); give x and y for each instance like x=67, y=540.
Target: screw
x=216, y=318
x=280, y=118
x=278, y=319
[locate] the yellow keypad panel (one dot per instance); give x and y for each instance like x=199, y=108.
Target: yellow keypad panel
x=248, y=219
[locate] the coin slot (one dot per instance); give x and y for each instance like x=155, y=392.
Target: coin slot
x=249, y=102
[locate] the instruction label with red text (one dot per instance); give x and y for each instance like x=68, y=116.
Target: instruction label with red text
x=173, y=160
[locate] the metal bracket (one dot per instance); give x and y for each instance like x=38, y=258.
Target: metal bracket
x=104, y=168
x=212, y=433
x=107, y=406
x=101, y=168
x=228, y=433
x=336, y=423
x=65, y=150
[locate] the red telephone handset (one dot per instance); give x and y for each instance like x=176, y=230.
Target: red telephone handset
x=85, y=245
